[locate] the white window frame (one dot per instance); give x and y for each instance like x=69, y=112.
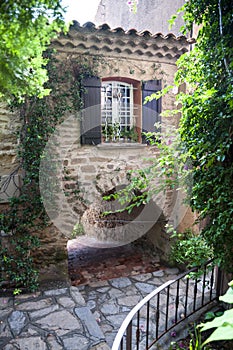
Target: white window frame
x=117, y=108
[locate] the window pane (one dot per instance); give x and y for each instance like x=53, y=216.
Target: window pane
x=117, y=108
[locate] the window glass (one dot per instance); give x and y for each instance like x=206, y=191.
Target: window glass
x=116, y=109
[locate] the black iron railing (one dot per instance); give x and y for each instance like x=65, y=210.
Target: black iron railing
x=167, y=306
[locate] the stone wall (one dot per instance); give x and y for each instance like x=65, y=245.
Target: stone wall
x=87, y=173
x=152, y=15
x=9, y=124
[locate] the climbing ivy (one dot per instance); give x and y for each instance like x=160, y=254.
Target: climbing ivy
x=39, y=117
x=206, y=125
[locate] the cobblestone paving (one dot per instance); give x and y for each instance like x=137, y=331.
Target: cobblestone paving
x=54, y=319
x=75, y=318
x=110, y=301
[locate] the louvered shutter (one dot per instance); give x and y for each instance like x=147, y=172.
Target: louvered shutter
x=151, y=110
x=91, y=114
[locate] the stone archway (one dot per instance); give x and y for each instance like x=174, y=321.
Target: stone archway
x=82, y=175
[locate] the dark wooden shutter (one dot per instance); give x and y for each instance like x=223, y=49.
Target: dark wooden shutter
x=91, y=114
x=151, y=110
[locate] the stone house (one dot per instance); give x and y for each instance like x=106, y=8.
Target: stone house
x=101, y=145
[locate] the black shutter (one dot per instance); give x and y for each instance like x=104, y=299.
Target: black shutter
x=91, y=114
x=151, y=110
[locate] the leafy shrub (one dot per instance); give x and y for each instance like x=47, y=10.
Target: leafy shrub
x=189, y=249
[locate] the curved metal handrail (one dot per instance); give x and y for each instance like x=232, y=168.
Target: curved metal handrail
x=126, y=327
x=133, y=312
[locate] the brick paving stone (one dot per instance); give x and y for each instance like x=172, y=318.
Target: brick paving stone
x=125, y=309
x=55, y=292
x=83, y=317
x=145, y=287
x=91, y=304
x=109, y=308
x=34, y=305
x=76, y=342
x=26, y=344
x=40, y=313
x=114, y=292
x=132, y=290
x=143, y=278
x=98, y=284
x=4, y=330
x=53, y=343
x=5, y=313
x=29, y=332
x=131, y=300
x=116, y=320
x=27, y=297
x=172, y=271
x=101, y=346
x=66, y=302
x=159, y=273
x=77, y=296
x=17, y=320
x=90, y=323
x=4, y=302
x=60, y=321
x=120, y=282
x=103, y=290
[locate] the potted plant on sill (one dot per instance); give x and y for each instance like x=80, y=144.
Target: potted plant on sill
x=125, y=135
x=116, y=132
x=133, y=135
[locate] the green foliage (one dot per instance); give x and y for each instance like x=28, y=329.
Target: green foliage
x=78, y=230
x=168, y=170
x=189, y=249
x=26, y=28
x=207, y=118
x=26, y=215
x=195, y=342
x=211, y=314
x=17, y=266
x=223, y=323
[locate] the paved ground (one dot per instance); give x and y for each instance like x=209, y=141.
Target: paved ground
x=87, y=315
x=89, y=264
x=74, y=318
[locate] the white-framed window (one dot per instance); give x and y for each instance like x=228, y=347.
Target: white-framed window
x=114, y=110
x=117, y=110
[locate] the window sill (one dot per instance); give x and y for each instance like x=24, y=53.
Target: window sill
x=122, y=145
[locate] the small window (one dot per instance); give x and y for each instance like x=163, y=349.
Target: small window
x=114, y=110
x=117, y=111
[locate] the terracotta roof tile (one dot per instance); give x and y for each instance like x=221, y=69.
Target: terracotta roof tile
x=94, y=39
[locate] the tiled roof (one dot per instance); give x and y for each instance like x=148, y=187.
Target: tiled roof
x=114, y=42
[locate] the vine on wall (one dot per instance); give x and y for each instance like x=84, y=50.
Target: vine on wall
x=26, y=214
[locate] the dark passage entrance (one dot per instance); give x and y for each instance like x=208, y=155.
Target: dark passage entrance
x=92, y=264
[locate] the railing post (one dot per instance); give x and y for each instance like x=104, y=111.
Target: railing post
x=218, y=272
x=129, y=337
